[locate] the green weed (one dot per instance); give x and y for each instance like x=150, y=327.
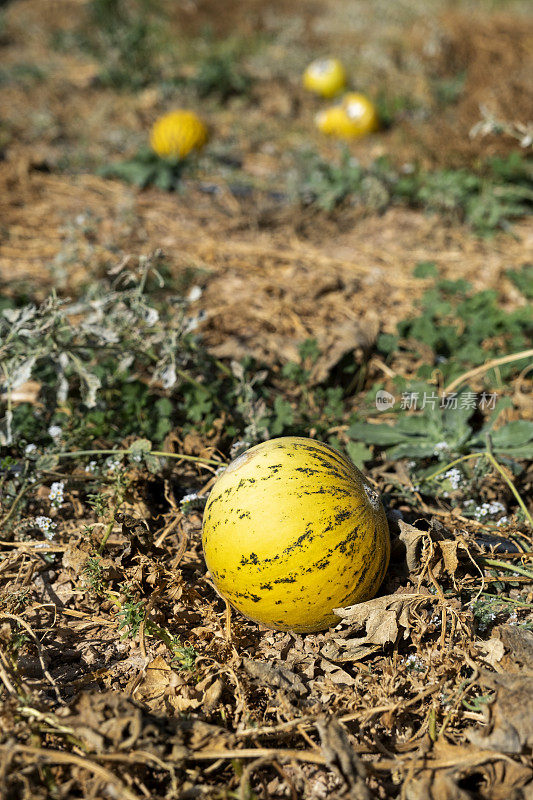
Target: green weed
x=447, y=91
x=125, y=37
x=486, y=200
x=220, y=74
x=444, y=429
x=146, y=168
x=523, y=280
x=93, y=573
x=485, y=329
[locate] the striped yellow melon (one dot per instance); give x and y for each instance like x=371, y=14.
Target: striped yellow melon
x=292, y=530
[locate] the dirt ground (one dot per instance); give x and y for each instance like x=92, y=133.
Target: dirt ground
x=264, y=714
x=264, y=262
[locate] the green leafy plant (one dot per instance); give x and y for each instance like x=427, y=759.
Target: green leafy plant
x=131, y=614
x=486, y=200
x=91, y=353
x=444, y=433
x=326, y=184
x=523, y=280
x=220, y=74
x=124, y=37
x=148, y=169
x=486, y=330
x=392, y=107
x=448, y=90
x=93, y=573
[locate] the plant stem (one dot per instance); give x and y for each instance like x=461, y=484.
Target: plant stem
x=495, y=362
x=162, y=454
x=25, y=488
x=506, y=600
x=492, y=562
x=488, y=455
x=452, y=464
x=511, y=486
x=105, y=537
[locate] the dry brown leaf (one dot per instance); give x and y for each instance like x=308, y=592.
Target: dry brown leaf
x=519, y=644
x=212, y=695
x=340, y=650
x=452, y=772
x=156, y=680
x=435, y=786
x=383, y=619
x=349, y=336
x=413, y=541
x=75, y=559
x=448, y=549
x=274, y=676
x=341, y=757
x=511, y=728
x=491, y=651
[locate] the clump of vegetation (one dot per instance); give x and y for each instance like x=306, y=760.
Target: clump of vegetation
x=487, y=201
x=124, y=37
x=486, y=331
x=146, y=168
x=221, y=74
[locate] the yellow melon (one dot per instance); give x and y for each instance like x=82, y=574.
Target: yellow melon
x=325, y=77
x=291, y=531
x=176, y=134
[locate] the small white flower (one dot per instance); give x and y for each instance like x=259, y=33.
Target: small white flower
x=55, y=431
x=454, y=477
x=113, y=464
x=92, y=466
x=439, y=447
x=503, y=521
x=30, y=448
x=414, y=661
x=137, y=457
x=194, y=294
x=489, y=509
x=46, y=525
x=56, y=494
x=188, y=498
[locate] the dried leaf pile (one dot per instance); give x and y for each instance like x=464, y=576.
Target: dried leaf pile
x=401, y=699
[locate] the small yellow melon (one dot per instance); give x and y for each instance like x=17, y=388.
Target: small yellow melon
x=176, y=134
x=325, y=77
x=361, y=112
x=355, y=116
x=291, y=531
